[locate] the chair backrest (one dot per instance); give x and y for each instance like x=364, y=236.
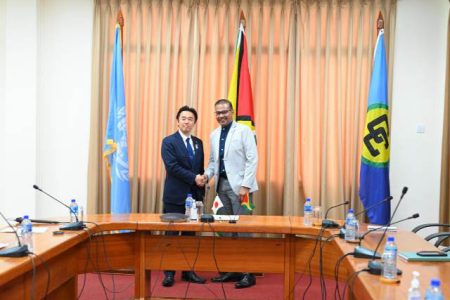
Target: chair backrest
x=420, y=227
x=441, y=236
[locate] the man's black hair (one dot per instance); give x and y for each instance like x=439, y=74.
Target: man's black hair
x=187, y=108
x=224, y=101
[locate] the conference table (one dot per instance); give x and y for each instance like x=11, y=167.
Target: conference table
x=277, y=244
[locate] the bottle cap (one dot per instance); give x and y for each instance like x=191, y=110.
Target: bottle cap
x=26, y=217
x=435, y=282
x=308, y=199
x=390, y=239
x=73, y=200
x=189, y=195
x=350, y=210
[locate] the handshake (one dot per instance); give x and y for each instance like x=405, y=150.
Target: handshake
x=201, y=180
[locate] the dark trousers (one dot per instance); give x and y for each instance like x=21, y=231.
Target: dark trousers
x=174, y=208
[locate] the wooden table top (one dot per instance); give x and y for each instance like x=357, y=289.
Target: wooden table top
x=253, y=224
x=48, y=245
x=406, y=242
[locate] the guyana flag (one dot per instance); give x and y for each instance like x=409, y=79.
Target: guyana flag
x=374, y=177
x=247, y=203
x=240, y=91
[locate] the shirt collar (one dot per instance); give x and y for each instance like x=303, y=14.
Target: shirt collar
x=227, y=127
x=184, y=136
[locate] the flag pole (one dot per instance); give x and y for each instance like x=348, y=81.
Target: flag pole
x=242, y=19
x=121, y=21
x=380, y=22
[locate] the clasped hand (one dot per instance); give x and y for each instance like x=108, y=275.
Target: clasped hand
x=201, y=180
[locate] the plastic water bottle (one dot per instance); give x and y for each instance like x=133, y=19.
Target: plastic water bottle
x=390, y=259
x=307, y=213
x=350, y=226
x=74, y=208
x=434, y=292
x=26, y=231
x=414, y=290
x=187, y=205
x=194, y=214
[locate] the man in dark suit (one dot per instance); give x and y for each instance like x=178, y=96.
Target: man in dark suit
x=183, y=158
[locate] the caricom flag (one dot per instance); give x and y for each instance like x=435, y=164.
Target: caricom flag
x=374, y=175
x=240, y=90
x=115, y=149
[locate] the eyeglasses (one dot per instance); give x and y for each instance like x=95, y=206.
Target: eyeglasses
x=223, y=112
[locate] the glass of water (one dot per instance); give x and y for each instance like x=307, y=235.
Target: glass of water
x=317, y=216
x=200, y=207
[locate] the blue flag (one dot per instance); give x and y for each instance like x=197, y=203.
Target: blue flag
x=374, y=177
x=115, y=149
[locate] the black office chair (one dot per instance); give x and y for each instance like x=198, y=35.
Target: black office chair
x=439, y=236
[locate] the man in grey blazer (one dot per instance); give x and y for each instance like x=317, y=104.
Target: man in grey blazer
x=232, y=162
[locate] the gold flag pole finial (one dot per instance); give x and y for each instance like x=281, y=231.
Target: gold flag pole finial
x=121, y=21
x=242, y=19
x=380, y=22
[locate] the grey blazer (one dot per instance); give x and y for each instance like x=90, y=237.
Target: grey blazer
x=240, y=157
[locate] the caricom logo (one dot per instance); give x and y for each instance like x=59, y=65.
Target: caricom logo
x=376, y=137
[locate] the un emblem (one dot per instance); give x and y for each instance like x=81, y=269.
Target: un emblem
x=376, y=137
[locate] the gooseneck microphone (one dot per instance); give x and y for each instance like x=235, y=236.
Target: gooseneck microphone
x=374, y=205
x=414, y=216
x=377, y=267
x=330, y=223
x=18, y=251
x=361, y=252
x=206, y=218
x=342, y=231
x=20, y=219
x=71, y=226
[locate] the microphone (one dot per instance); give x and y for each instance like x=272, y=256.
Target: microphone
x=342, y=230
x=374, y=205
x=414, y=216
x=20, y=219
x=330, y=223
x=206, y=218
x=361, y=252
x=18, y=251
x=376, y=267
x=71, y=226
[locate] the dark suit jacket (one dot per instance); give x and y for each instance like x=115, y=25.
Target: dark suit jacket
x=180, y=170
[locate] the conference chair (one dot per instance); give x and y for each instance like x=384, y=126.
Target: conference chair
x=439, y=236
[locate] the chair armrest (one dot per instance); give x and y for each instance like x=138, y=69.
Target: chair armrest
x=441, y=236
x=446, y=249
x=420, y=227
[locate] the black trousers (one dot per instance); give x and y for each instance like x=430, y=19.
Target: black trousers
x=174, y=208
